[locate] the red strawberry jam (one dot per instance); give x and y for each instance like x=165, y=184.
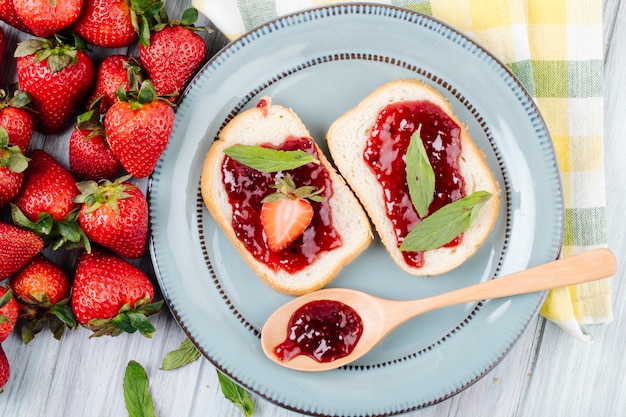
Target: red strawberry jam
x=246, y=187
x=324, y=330
x=385, y=154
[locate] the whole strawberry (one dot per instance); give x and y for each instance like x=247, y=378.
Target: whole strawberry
x=10, y=182
x=10, y=17
x=17, y=247
x=115, y=71
x=9, y=311
x=91, y=157
x=107, y=23
x=5, y=369
x=13, y=163
x=49, y=188
x=17, y=118
x=45, y=204
x=57, y=75
x=43, y=290
x=138, y=128
x=174, y=54
x=108, y=291
x=114, y=215
x=40, y=276
x=47, y=17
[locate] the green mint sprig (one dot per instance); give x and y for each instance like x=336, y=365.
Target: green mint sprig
x=420, y=175
x=188, y=353
x=267, y=159
x=445, y=224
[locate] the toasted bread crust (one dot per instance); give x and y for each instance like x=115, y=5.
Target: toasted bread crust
x=273, y=124
x=347, y=138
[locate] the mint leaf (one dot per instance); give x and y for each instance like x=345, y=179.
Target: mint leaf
x=136, y=394
x=269, y=160
x=184, y=355
x=420, y=176
x=236, y=394
x=445, y=224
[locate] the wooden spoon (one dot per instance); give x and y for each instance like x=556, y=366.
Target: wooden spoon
x=380, y=316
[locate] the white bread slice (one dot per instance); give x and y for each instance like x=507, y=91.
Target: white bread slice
x=273, y=124
x=347, y=138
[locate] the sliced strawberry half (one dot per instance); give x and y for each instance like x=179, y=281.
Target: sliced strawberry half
x=287, y=213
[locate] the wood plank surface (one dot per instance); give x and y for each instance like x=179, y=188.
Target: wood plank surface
x=547, y=373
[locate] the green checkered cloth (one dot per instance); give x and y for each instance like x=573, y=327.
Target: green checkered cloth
x=555, y=49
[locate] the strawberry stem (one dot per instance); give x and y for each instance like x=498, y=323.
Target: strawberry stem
x=16, y=98
x=95, y=194
x=37, y=310
x=144, y=15
x=11, y=156
x=59, y=51
x=286, y=188
x=128, y=320
x=56, y=234
x=144, y=95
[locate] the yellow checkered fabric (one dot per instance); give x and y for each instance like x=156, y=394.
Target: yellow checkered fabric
x=555, y=49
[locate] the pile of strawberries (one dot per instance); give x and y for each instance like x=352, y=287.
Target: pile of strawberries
x=122, y=113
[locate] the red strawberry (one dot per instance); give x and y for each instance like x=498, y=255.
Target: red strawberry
x=106, y=23
x=41, y=276
x=43, y=291
x=45, y=205
x=9, y=16
x=115, y=215
x=47, y=17
x=10, y=183
x=13, y=163
x=139, y=129
x=5, y=369
x=91, y=157
x=58, y=77
x=17, y=118
x=114, y=71
x=286, y=214
x=173, y=56
x=9, y=311
x=107, y=289
x=49, y=188
x=17, y=247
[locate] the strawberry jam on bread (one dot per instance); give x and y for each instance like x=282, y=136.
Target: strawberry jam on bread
x=375, y=148
x=296, y=227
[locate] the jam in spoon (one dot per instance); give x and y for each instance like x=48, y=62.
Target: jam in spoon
x=349, y=323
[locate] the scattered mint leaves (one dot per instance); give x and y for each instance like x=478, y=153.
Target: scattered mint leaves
x=136, y=393
x=184, y=355
x=236, y=394
x=188, y=353
x=445, y=224
x=420, y=176
x=267, y=159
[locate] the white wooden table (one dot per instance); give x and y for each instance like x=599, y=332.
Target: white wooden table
x=547, y=373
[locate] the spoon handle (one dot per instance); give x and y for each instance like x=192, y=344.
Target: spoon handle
x=588, y=266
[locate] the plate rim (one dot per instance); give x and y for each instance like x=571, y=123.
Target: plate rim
x=388, y=11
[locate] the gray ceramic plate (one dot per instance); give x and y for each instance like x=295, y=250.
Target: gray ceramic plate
x=321, y=63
